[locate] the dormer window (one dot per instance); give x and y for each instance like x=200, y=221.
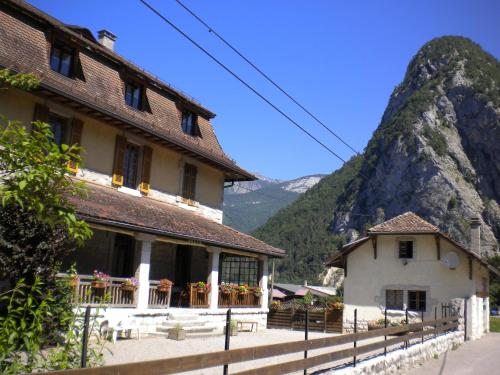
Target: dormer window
x=405, y=249
x=62, y=60
x=190, y=124
x=133, y=95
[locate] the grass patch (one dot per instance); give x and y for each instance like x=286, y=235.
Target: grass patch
x=494, y=324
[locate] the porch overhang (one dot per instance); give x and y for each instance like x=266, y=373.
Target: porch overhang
x=106, y=207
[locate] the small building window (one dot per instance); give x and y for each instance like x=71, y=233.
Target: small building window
x=189, y=181
x=130, y=165
x=416, y=300
x=405, y=249
x=394, y=299
x=59, y=128
x=190, y=124
x=238, y=270
x=133, y=95
x=61, y=60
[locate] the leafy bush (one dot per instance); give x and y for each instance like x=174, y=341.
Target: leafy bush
x=24, y=346
x=436, y=140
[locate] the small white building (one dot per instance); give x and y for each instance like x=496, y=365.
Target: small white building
x=407, y=263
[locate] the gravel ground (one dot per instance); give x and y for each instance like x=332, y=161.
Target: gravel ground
x=149, y=348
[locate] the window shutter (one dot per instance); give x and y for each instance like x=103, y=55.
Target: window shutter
x=41, y=113
x=121, y=143
x=189, y=183
x=196, y=132
x=147, y=155
x=75, y=139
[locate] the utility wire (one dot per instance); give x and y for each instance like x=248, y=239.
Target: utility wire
x=269, y=79
x=247, y=85
x=251, y=88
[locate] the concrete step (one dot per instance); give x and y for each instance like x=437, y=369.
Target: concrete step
x=195, y=329
x=177, y=316
x=184, y=323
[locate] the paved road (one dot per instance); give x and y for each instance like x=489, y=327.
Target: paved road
x=474, y=357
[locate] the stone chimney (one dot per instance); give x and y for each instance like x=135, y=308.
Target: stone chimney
x=305, y=282
x=475, y=235
x=107, y=39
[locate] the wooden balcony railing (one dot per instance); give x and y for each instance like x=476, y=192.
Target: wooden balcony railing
x=235, y=299
x=112, y=295
x=198, y=297
x=159, y=297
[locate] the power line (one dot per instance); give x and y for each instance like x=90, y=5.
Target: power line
x=261, y=96
x=269, y=79
x=247, y=85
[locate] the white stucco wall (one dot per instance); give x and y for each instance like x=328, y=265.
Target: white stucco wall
x=368, y=278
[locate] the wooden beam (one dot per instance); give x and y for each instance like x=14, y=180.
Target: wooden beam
x=345, y=265
x=437, y=238
x=374, y=244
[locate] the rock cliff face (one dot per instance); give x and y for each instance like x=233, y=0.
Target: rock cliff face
x=437, y=149
x=436, y=152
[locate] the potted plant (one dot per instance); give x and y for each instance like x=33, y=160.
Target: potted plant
x=165, y=285
x=275, y=305
x=257, y=292
x=226, y=288
x=100, y=280
x=233, y=330
x=242, y=289
x=202, y=287
x=73, y=278
x=177, y=333
x=130, y=285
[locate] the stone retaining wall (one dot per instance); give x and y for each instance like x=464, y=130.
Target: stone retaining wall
x=402, y=360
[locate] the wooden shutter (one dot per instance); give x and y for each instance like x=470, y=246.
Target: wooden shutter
x=196, y=132
x=41, y=113
x=121, y=143
x=147, y=154
x=75, y=139
x=189, y=183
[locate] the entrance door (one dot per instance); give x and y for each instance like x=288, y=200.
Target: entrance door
x=124, y=256
x=182, y=266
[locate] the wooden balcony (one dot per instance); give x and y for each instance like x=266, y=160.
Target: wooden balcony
x=237, y=299
x=112, y=294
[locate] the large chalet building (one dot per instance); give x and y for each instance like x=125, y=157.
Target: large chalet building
x=154, y=169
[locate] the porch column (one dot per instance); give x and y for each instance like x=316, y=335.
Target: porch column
x=263, y=282
x=213, y=277
x=142, y=273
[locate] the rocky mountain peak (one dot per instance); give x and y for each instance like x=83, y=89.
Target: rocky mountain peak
x=435, y=151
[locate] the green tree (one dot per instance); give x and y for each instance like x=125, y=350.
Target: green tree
x=38, y=227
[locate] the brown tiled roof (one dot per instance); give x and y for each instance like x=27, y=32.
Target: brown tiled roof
x=24, y=47
x=105, y=205
x=405, y=223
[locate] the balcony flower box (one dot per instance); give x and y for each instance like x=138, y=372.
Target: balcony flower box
x=243, y=290
x=202, y=287
x=226, y=289
x=98, y=284
x=257, y=292
x=100, y=280
x=130, y=285
x=165, y=286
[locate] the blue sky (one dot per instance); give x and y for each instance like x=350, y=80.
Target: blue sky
x=340, y=59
